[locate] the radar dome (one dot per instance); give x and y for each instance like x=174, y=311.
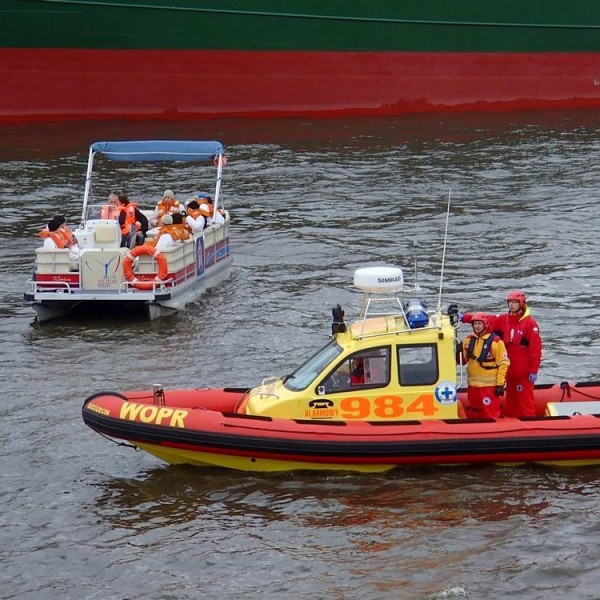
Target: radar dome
x=377, y=280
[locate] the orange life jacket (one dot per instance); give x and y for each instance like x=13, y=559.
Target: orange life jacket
x=129, y=211
x=181, y=231
x=205, y=210
x=58, y=238
x=63, y=233
x=171, y=229
x=195, y=213
x=109, y=211
x=67, y=234
x=167, y=208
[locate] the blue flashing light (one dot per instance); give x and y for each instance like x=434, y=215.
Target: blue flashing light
x=416, y=315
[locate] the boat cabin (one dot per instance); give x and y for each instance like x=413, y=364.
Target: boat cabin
x=392, y=364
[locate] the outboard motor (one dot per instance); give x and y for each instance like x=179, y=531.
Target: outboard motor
x=416, y=315
x=338, y=325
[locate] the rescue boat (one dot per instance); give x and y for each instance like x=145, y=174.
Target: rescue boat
x=103, y=275
x=384, y=392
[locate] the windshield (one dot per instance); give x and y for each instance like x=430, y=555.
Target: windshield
x=304, y=375
x=100, y=211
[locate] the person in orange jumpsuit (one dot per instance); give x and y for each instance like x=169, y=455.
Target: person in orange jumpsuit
x=521, y=335
x=487, y=362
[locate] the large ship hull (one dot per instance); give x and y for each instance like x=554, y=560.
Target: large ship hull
x=202, y=59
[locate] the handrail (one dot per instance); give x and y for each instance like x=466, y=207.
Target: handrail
x=51, y=286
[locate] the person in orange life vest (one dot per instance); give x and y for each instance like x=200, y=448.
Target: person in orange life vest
x=132, y=221
x=53, y=238
x=56, y=239
x=180, y=227
x=166, y=236
x=487, y=362
x=65, y=230
x=206, y=209
x=194, y=217
x=521, y=335
x=110, y=211
x=219, y=218
x=68, y=239
x=167, y=206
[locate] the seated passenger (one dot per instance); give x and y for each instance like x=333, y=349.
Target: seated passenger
x=65, y=230
x=110, y=211
x=56, y=239
x=167, y=206
x=132, y=221
x=69, y=240
x=195, y=219
x=179, y=227
x=166, y=236
x=205, y=208
x=219, y=217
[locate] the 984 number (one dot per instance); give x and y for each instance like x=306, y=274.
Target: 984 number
x=386, y=407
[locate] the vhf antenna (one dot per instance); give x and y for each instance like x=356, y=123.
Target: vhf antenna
x=444, y=250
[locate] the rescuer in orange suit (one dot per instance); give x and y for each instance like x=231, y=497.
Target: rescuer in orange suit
x=521, y=335
x=487, y=362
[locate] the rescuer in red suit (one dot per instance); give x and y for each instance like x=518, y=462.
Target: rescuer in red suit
x=521, y=336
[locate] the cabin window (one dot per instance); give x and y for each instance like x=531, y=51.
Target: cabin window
x=418, y=364
x=305, y=374
x=365, y=369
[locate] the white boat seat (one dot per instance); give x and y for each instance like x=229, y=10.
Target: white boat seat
x=569, y=409
x=55, y=260
x=107, y=234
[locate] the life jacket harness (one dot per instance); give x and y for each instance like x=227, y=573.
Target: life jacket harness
x=484, y=357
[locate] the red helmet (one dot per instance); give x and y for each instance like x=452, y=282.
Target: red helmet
x=517, y=295
x=479, y=316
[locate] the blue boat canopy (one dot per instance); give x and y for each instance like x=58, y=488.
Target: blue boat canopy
x=159, y=150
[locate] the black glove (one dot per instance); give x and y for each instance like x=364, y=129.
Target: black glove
x=499, y=391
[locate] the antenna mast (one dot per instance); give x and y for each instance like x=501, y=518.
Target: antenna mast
x=415, y=247
x=444, y=250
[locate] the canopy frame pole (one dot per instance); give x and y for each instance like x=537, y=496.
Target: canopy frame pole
x=88, y=186
x=218, y=185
